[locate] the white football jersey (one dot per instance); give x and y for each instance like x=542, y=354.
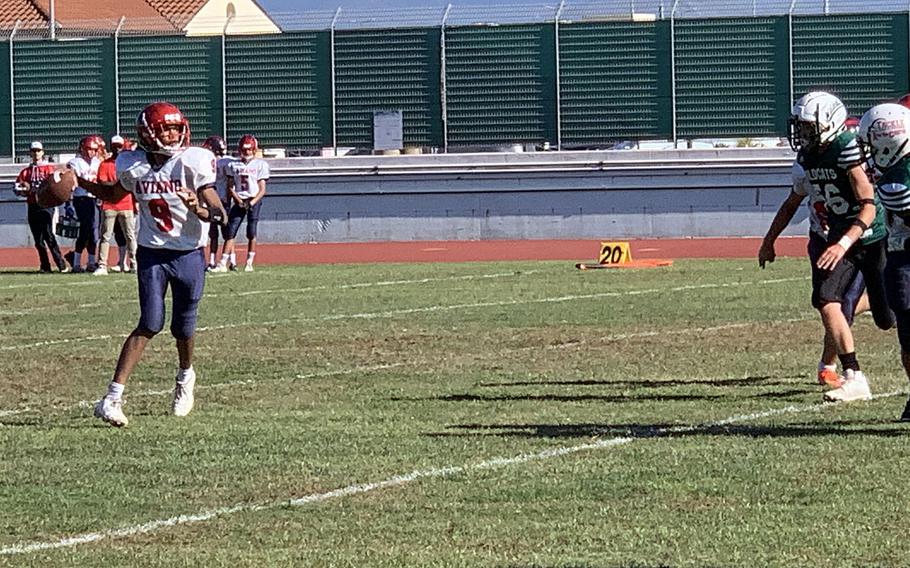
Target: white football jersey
x=818, y=223
x=85, y=170
x=246, y=176
x=221, y=173
x=164, y=219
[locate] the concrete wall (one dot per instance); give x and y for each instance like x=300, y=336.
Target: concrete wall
x=511, y=196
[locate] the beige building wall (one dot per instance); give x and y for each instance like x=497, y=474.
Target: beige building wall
x=248, y=19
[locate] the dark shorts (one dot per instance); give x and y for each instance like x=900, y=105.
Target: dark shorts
x=897, y=282
x=815, y=248
x=184, y=273
x=831, y=286
x=216, y=229
x=236, y=216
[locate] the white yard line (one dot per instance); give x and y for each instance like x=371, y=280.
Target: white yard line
x=206, y=386
x=268, y=291
x=425, y=309
x=391, y=482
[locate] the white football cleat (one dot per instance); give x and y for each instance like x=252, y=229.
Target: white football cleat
x=248, y=268
x=111, y=411
x=855, y=387
x=219, y=268
x=183, y=392
x=100, y=271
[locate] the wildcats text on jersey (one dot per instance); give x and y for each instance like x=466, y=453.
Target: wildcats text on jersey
x=821, y=174
x=158, y=186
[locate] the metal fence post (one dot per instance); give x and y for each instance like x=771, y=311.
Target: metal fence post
x=117, y=73
x=12, y=92
x=790, y=48
x=332, y=70
x=559, y=8
x=442, y=80
x=231, y=12
x=673, y=67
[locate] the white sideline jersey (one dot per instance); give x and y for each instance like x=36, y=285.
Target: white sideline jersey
x=165, y=222
x=818, y=223
x=221, y=173
x=85, y=170
x=246, y=176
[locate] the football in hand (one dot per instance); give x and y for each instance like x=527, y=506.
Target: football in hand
x=56, y=188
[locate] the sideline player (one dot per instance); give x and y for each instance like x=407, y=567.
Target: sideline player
x=85, y=165
x=174, y=186
x=40, y=220
x=115, y=213
x=246, y=180
x=217, y=146
x=884, y=133
x=834, y=164
x=855, y=299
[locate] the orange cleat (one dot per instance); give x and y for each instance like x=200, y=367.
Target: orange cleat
x=830, y=378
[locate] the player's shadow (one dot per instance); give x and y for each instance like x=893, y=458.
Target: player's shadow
x=27, y=271
x=644, y=431
x=763, y=380
x=573, y=398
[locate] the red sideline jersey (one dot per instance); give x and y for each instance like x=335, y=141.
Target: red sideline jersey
x=32, y=176
x=107, y=173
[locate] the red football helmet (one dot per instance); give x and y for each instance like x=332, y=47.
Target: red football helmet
x=89, y=145
x=904, y=100
x=215, y=144
x=247, y=147
x=152, y=123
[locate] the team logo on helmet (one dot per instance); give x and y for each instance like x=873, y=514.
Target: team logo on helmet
x=883, y=134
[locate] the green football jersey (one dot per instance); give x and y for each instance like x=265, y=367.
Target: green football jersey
x=827, y=170
x=893, y=190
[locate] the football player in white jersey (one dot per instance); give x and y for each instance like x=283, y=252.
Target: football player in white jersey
x=246, y=180
x=174, y=185
x=85, y=165
x=218, y=147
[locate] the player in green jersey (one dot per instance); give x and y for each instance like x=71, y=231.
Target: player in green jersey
x=884, y=134
x=833, y=162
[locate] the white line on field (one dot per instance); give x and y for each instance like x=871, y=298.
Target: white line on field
x=207, y=386
x=265, y=291
x=427, y=309
x=606, y=338
x=68, y=284
x=391, y=482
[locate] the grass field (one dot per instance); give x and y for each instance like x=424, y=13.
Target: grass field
x=481, y=414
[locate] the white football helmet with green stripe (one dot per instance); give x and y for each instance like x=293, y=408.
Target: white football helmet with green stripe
x=815, y=120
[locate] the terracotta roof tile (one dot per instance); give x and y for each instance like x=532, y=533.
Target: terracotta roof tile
x=22, y=10
x=178, y=12
x=103, y=13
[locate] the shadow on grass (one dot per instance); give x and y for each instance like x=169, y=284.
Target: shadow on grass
x=765, y=380
x=635, y=430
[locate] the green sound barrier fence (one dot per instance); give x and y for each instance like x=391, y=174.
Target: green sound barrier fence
x=581, y=84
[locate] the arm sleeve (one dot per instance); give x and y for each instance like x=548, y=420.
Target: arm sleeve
x=800, y=180
x=201, y=169
x=895, y=196
x=851, y=156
